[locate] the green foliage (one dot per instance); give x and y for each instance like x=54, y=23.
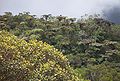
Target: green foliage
x=32, y=61
x=89, y=41
x=103, y=72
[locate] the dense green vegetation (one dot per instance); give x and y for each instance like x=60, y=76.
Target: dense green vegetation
x=91, y=45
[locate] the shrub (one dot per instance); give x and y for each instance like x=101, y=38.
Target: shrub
x=32, y=61
x=103, y=72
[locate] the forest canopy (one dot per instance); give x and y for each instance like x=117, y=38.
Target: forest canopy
x=88, y=43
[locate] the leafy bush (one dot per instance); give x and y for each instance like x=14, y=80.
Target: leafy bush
x=32, y=61
x=103, y=72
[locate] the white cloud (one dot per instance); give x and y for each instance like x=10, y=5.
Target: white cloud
x=74, y=8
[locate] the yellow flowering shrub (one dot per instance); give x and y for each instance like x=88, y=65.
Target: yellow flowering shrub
x=32, y=61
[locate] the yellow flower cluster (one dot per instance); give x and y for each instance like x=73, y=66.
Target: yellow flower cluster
x=32, y=61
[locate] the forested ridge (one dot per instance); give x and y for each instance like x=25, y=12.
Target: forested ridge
x=58, y=48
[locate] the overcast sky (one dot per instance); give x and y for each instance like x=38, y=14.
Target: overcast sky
x=71, y=8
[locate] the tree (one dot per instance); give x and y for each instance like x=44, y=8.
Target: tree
x=33, y=61
x=46, y=17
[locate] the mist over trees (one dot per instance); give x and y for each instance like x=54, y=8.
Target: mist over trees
x=112, y=14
